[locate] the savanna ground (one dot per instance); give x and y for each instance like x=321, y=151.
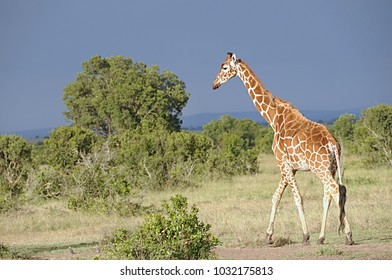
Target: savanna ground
x=238, y=211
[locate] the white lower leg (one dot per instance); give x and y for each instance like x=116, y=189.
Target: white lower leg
x=326, y=203
x=298, y=202
x=275, y=202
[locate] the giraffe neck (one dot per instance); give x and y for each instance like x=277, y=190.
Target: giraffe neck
x=261, y=97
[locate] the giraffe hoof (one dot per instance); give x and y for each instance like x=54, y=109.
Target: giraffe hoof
x=349, y=239
x=320, y=241
x=305, y=240
x=268, y=239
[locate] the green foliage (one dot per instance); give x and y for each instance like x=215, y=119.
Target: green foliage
x=7, y=253
x=373, y=134
x=114, y=94
x=176, y=235
x=38, y=154
x=247, y=130
x=49, y=182
x=237, y=145
x=96, y=185
x=66, y=144
x=370, y=136
x=343, y=127
x=15, y=164
x=160, y=159
x=104, y=177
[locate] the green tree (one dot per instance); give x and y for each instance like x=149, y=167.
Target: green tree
x=373, y=134
x=114, y=94
x=249, y=131
x=344, y=126
x=65, y=145
x=215, y=130
x=15, y=164
x=237, y=145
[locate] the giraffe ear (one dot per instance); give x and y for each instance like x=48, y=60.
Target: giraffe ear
x=233, y=60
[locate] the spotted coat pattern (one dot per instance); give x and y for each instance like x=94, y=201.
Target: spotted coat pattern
x=299, y=144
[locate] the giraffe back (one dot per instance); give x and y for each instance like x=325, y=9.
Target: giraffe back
x=304, y=144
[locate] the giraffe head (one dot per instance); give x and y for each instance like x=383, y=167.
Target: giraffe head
x=228, y=70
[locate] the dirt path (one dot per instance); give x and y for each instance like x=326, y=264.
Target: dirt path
x=366, y=248
x=380, y=251
x=309, y=252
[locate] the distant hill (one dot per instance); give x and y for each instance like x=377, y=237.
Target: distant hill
x=31, y=134
x=197, y=121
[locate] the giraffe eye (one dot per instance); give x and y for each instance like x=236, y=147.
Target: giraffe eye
x=225, y=67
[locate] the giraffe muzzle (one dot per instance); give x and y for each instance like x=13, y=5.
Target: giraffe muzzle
x=215, y=85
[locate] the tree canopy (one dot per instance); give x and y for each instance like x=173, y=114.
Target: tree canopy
x=114, y=94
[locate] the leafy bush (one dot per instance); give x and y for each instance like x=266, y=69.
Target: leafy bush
x=160, y=159
x=343, y=127
x=15, y=164
x=66, y=144
x=96, y=185
x=237, y=144
x=373, y=134
x=176, y=235
x=7, y=253
x=48, y=182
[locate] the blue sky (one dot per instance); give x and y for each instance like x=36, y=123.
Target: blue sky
x=319, y=55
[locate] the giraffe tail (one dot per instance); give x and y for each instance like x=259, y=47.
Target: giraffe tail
x=342, y=203
x=342, y=189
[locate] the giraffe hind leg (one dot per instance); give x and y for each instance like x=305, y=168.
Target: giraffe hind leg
x=326, y=203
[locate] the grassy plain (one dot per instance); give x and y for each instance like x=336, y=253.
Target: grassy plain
x=238, y=210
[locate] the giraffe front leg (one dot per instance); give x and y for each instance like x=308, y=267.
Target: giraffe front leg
x=275, y=202
x=298, y=202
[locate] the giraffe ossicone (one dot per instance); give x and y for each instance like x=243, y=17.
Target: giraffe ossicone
x=299, y=144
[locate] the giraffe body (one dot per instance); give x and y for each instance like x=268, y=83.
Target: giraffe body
x=299, y=144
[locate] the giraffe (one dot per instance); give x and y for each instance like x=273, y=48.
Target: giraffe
x=299, y=144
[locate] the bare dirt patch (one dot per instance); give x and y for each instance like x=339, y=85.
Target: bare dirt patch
x=309, y=252
x=363, y=251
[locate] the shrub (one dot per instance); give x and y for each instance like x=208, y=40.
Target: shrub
x=12, y=254
x=66, y=144
x=237, y=144
x=343, y=127
x=48, y=182
x=373, y=135
x=160, y=159
x=15, y=163
x=96, y=185
x=176, y=235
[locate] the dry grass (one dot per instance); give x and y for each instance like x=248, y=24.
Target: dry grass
x=52, y=223
x=238, y=210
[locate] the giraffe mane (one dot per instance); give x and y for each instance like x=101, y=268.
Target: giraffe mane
x=287, y=105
